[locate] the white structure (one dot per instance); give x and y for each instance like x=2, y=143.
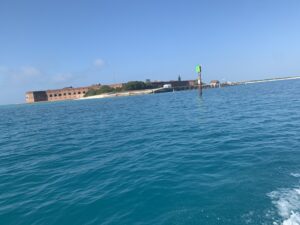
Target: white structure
x=215, y=83
x=167, y=86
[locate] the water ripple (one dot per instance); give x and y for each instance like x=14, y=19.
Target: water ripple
x=230, y=157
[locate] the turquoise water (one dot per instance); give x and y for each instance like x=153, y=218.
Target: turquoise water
x=230, y=157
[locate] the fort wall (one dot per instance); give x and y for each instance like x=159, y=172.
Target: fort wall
x=57, y=95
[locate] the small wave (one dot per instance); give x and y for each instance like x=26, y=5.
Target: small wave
x=287, y=203
x=295, y=174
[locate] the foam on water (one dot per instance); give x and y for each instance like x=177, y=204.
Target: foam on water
x=295, y=174
x=173, y=158
x=287, y=203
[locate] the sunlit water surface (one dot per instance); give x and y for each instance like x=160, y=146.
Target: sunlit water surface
x=230, y=157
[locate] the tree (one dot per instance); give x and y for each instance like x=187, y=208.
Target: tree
x=90, y=92
x=130, y=86
x=179, y=78
x=135, y=85
x=103, y=89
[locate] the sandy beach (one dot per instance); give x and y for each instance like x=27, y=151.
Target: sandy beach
x=120, y=94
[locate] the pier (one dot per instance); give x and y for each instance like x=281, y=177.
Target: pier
x=268, y=80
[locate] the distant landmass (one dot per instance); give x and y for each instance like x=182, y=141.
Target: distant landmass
x=131, y=88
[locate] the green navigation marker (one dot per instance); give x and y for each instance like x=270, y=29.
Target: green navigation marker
x=198, y=69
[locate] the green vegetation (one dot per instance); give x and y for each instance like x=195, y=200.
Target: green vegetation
x=102, y=90
x=136, y=85
x=130, y=86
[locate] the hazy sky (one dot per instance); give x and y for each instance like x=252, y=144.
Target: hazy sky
x=56, y=43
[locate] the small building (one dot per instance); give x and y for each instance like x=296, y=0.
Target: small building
x=159, y=84
x=167, y=86
x=215, y=83
x=193, y=83
x=94, y=86
x=120, y=85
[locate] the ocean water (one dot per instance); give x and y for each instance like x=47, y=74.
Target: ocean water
x=230, y=157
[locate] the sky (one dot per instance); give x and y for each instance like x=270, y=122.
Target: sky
x=58, y=43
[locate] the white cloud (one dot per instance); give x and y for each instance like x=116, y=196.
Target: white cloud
x=30, y=78
x=20, y=73
x=99, y=63
x=30, y=71
x=62, y=78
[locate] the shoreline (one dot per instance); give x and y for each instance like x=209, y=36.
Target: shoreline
x=121, y=94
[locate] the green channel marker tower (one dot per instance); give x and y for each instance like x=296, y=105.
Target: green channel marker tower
x=198, y=70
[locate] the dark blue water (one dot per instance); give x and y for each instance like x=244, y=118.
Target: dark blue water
x=230, y=157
